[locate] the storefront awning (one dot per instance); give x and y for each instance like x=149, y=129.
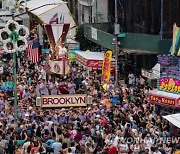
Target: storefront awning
x=164, y=98
x=174, y=119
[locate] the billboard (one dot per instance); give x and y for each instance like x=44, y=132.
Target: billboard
x=56, y=101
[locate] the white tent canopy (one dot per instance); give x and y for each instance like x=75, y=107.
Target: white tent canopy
x=46, y=9
x=154, y=73
x=174, y=119
x=92, y=55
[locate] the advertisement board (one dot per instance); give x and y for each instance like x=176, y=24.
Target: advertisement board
x=164, y=101
x=169, y=84
x=56, y=101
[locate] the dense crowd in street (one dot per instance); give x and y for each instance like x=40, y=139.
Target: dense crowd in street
x=129, y=125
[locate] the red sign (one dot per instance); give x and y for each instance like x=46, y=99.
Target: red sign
x=93, y=63
x=63, y=100
x=164, y=101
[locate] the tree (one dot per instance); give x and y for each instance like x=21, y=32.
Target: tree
x=85, y=44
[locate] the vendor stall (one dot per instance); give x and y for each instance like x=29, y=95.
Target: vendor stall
x=92, y=60
x=151, y=75
x=167, y=94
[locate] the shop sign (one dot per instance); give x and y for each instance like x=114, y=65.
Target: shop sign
x=145, y=73
x=94, y=33
x=162, y=100
x=93, y=63
x=169, y=84
x=76, y=100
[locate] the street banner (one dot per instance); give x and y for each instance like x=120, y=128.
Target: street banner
x=175, y=48
x=74, y=100
x=106, y=67
x=59, y=67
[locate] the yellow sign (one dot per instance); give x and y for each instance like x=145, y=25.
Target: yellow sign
x=106, y=67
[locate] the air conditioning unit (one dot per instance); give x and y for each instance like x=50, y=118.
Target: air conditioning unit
x=89, y=99
x=38, y=101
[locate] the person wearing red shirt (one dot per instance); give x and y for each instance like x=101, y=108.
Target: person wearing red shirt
x=63, y=88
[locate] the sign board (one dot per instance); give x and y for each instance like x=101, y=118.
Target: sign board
x=56, y=101
x=121, y=35
x=164, y=101
x=169, y=84
x=146, y=74
x=94, y=33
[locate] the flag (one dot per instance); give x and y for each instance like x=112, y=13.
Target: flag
x=61, y=19
x=33, y=51
x=54, y=19
x=106, y=67
x=47, y=67
x=174, y=50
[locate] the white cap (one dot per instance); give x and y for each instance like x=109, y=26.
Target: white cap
x=26, y=115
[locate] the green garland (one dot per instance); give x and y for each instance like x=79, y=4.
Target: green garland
x=14, y=36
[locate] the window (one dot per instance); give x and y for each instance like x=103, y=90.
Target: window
x=83, y=13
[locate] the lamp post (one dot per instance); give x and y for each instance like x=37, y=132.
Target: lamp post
x=115, y=43
x=14, y=38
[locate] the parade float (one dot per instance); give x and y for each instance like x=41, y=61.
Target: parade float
x=58, y=59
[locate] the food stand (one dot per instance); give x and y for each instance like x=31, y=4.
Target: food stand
x=152, y=75
x=167, y=94
x=92, y=60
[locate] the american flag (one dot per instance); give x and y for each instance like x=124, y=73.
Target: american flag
x=33, y=52
x=54, y=19
x=47, y=67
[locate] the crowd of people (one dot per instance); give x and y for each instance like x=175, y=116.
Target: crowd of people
x=129, y=125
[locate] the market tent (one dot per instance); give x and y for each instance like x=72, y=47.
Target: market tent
x=154, y=73
x=91, y=59
x=48, y=8
x=174, y=119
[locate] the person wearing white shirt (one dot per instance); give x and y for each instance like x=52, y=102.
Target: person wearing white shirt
x=149, y=142
x=25, y=146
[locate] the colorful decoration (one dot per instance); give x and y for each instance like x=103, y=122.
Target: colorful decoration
x=106, y=67
x=175, y=49
x=169, y=84
x=108, y=104
x=164, y=100
x=14, y=36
